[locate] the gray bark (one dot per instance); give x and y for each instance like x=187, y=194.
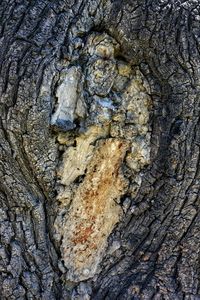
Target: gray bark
x=159, y=234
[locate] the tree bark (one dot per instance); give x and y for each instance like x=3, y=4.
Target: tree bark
x=158, y=234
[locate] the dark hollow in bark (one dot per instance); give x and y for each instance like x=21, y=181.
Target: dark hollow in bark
x=160, y=233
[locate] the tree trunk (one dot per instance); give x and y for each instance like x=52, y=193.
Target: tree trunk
x=99, y=160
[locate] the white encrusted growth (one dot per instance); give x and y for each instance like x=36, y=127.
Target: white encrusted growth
x=90, y=178
x=76, y=159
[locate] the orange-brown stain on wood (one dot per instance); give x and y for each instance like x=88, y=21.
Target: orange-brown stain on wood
x=94, y=211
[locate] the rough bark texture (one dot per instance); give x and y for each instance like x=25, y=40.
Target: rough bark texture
x=46, y=49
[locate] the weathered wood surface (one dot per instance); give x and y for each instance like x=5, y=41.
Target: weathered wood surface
x=153, y=251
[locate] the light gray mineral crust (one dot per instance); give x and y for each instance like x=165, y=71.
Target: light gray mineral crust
x=101, y=75
x=70, y=104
